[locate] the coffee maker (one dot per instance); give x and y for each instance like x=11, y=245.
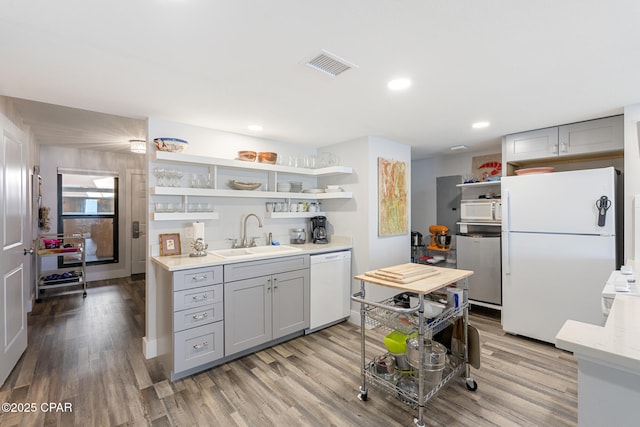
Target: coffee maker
x=319, y=229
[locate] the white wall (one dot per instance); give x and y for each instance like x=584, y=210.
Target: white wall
x=423, y=195
x=359, y=217
x=52, y=158
x=423, y=177
x=631, y=179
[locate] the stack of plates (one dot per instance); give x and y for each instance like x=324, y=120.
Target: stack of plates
x=333, y=189
x=296, y=186
x=313, y=190
x=284, y=187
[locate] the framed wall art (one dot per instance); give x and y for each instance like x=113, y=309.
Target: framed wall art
x=393, y=214
x=170, y=244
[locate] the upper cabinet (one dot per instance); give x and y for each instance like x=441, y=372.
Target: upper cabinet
x=588, y=138
x=535, y=144
x=594, y=136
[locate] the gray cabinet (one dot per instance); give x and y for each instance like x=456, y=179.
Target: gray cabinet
x=197, y=328
x=264, y=301
x=535, y=144
x=482, y=256
x=594, y=136
x=576, y=139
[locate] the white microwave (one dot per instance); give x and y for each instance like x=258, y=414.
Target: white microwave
x=481, y=210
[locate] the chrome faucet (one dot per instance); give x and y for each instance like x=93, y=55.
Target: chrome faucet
x=243, y=240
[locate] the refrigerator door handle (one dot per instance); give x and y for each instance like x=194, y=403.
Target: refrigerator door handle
x=506, y=235
x=506, y=210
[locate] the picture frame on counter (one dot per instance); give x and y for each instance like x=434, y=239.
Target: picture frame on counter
x=170, y=244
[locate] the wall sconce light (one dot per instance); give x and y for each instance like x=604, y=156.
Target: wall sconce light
x=138, y=146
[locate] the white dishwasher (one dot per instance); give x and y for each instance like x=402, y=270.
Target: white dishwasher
x=330, y=289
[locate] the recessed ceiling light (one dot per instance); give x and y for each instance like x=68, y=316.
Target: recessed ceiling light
x=255, y=128
x=399, y=84
x=480, y=125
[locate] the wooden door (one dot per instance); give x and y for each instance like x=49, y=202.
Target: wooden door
x=14, y=241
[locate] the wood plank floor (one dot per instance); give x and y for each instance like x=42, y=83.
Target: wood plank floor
x=87, y=354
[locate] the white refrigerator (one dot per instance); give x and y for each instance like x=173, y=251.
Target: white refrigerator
x=558, y=249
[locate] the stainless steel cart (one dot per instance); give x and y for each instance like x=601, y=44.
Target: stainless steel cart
x=407, y=320
x=69, y=279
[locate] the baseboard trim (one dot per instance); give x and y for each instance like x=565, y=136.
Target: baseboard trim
x=149, y=348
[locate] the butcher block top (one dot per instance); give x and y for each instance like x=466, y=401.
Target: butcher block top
x=418, y=278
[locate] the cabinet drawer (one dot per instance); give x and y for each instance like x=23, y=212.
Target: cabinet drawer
x=197, y=346
x=197, y=316
x=250, y=269
x=197, y=297
x=197, y=277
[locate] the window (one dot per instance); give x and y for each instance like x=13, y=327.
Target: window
x=88, y=205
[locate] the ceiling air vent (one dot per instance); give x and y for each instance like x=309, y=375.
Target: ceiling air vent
x=330, y=64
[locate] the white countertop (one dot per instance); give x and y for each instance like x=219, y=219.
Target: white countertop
x=184, y=261
x=616, y=344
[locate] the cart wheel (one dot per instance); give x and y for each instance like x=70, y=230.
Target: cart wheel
x=418, y=423
x=472, y=385
x=362, y=396
x=84, y=295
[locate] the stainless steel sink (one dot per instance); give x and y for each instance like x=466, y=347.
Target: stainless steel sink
x=254, y=252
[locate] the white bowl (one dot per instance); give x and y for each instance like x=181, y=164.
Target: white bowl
x=333, y=187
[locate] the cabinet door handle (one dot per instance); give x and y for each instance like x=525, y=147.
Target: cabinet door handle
x=564, y=147
x=199, y=278
x=200, y=316
x=199, y=297
x=275, y=283
x=199, y=346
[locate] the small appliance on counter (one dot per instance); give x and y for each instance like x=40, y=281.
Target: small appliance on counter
x=440, y=238
x=417, y=248
x=298, y=236
x=416, y=238
x=319, y=230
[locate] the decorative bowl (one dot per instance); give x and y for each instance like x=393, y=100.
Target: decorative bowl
x=236, y=185
x=247, y=156
x=172, y=145
x=531, y=171
x=267, y=157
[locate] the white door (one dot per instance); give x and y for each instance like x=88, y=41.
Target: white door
x=550, y=278
x=14, y=240
x=559, y=202
x=138, y=222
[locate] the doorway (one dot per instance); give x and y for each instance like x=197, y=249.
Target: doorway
x=138, y=227
x=15, y=238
